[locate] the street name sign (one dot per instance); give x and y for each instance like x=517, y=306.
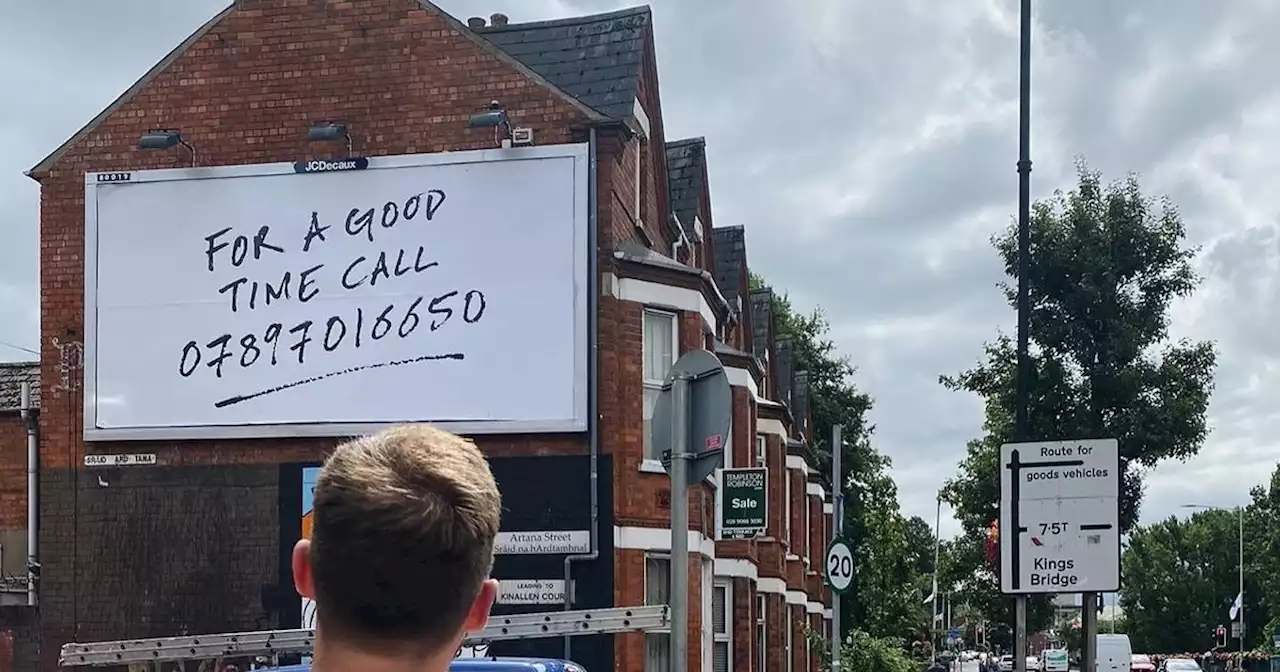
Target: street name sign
x=743, y=505
x=1060, y=517
x=838, y=566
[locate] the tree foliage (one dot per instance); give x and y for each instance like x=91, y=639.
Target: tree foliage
x=1181, y=575
x=864, y=652
x=1106, y=263
x=891, y=567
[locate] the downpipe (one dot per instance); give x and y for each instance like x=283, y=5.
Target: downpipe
x=29, y=415
x=593, y=372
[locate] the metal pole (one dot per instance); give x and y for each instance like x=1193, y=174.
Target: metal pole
x=937, y=552
x=33, y=500
x=1241, y=593
x=679, y=524
x=1089, y=632
x=837, y=520
x=1023, y=383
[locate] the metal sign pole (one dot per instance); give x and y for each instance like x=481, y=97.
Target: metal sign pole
x=693, y=411
x=679, y=524
x=837, y=520
x=1023, y=392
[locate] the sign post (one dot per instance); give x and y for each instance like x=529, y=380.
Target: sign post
x=1060, y=519
x=743, y=505
x=693, y=412
x=837, y=529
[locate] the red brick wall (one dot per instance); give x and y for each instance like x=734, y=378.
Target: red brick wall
x=13, y=472
x=402, y=78
x=777, y=462
x=744, y=625
x=776, y=622
x=799, y=649
x=629, y=648
x=425, y=77
x=799, y=512
x=816, y=527
x=744, y=429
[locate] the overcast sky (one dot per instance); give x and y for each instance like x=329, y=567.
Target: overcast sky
x=869, y=148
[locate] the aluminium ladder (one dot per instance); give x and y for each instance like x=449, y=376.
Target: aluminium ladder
x=274, y=643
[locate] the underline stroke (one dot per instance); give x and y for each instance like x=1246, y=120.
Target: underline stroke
x=240, y=398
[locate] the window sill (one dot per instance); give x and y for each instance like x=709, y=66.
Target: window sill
x=652, y=466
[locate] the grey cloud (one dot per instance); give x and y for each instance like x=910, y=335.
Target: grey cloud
x=868, y=147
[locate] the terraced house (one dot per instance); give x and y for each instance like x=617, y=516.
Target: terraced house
x=589, y=242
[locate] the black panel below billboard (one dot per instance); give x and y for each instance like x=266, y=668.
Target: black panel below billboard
x=550, y=494
x=539, y=494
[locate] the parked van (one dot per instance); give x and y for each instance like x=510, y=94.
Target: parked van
x=1055, y=660
x=1115, y=654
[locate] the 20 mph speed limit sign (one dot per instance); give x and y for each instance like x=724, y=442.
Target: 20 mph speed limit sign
x=839, y=566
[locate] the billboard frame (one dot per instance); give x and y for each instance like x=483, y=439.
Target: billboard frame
x=584, y=220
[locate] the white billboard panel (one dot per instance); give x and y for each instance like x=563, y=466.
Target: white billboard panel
x=329, y=300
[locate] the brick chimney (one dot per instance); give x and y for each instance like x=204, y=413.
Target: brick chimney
x=475, y=22
x=498, y=19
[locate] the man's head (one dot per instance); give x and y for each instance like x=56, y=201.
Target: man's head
x=402, y=543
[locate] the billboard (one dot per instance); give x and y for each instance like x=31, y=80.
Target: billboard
x=289, y=299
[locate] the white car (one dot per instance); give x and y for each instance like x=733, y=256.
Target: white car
x=1006, y=663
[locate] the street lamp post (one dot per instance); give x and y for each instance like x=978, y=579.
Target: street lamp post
x=1240, y=593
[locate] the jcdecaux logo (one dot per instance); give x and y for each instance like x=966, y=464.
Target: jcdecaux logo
x=330, y=165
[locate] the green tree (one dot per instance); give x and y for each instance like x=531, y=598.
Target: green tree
x=1105, y=265
x=887, y=593
x=864, y=652
x=1181, y=577
x=1262, y=566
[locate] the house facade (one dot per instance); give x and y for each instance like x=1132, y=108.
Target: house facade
x=192, y=534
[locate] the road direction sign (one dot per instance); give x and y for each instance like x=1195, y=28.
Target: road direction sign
x=838, y=566
x=1060, y=517
x=743, y=505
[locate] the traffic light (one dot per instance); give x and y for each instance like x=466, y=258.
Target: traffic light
x=1221, y=634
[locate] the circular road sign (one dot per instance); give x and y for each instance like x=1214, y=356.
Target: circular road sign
x=838, y=566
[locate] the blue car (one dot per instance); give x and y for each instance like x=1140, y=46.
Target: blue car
x=488, y=665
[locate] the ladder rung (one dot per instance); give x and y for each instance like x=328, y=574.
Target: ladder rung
x=280, y=642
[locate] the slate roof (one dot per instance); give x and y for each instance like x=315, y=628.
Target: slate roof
x=730, y=245
x=800, y=401
x=12, y=376
x=685, y=162
x=595, y=59
x=762, y=321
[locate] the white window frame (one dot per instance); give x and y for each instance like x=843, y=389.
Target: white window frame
x=762, y=630
x=723, y=638
x=762, y=450
x=651, y=385
x=664, y=559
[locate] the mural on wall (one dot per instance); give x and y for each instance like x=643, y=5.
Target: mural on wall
x=309, y=475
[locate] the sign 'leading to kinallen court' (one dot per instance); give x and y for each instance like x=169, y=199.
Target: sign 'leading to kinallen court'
x=1060, y=516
